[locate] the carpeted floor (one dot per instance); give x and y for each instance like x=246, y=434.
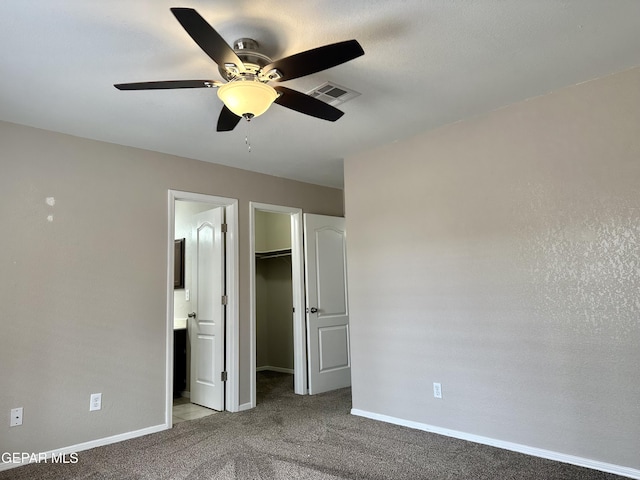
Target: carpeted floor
x=289, y=436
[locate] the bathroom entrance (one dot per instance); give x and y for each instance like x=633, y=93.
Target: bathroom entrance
x=202, y=312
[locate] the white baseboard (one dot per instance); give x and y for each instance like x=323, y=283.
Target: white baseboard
x=275, y=369
x=244, y=406
x=91, y=444
x=515, y=447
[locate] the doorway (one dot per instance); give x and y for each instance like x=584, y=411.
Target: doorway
x=287, y=248
x=178, y=299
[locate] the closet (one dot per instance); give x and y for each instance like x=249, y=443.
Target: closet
x=274, y=292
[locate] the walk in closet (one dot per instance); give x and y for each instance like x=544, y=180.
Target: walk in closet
x=274, y=297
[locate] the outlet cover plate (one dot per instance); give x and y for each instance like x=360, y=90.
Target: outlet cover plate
x=16, y=417
x=95, y=402
x=437, y=390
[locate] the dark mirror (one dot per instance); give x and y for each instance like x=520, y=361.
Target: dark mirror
x=178, y=271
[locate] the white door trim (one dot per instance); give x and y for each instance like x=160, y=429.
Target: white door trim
x=297, y=280
x=232, y=336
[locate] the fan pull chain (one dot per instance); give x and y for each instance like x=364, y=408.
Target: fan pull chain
x=246, y=138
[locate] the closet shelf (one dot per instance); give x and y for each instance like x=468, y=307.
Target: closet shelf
x=285, y=252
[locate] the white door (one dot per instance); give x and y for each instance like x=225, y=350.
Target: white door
x=327, y=306
x=206, y=323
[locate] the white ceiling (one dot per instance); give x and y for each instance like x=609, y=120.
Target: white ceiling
x=427, y=63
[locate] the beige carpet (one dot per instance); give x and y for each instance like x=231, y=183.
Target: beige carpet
x=289, y=436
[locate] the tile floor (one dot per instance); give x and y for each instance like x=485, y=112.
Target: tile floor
x=183, y=410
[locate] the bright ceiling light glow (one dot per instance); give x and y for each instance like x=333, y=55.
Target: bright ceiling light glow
x=247, y=98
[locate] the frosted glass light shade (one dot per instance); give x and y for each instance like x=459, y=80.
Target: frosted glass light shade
x=247, y=97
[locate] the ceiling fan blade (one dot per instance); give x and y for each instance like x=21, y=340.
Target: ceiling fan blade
x=227, y=120
x=207, y=38
x=168, y=84
x=315, y=60
x=306, y=104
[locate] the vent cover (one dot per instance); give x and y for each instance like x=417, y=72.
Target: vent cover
x=333, y=94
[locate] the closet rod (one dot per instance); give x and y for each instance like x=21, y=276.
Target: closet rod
x=274, y=254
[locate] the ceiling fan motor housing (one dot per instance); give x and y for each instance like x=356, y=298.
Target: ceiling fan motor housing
x=247, y=50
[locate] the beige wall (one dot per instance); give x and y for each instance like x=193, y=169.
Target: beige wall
x=274, y=313
x=272, y=231
x=501, y=257
x=83, y=297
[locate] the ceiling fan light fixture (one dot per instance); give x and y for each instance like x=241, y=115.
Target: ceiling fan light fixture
x=247, y=98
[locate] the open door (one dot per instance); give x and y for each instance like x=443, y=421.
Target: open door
x=207, y=322
x=327, y=306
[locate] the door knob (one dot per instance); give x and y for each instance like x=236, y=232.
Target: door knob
x=192, y=315
x=314, y=310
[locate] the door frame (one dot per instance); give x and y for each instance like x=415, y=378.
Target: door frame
x=232, y=334
x=297, y=280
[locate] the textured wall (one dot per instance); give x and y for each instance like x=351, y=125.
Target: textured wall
x=274, y=317
x=501, y=257
x=83, y=283
x=273, y=231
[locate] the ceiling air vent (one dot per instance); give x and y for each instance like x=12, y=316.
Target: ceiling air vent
x=333, y=94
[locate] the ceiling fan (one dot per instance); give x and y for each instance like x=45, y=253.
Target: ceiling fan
x=248, y=72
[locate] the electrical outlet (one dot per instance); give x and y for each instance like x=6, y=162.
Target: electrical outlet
x=96, y=402
x=437, y=390
x=16, y=417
